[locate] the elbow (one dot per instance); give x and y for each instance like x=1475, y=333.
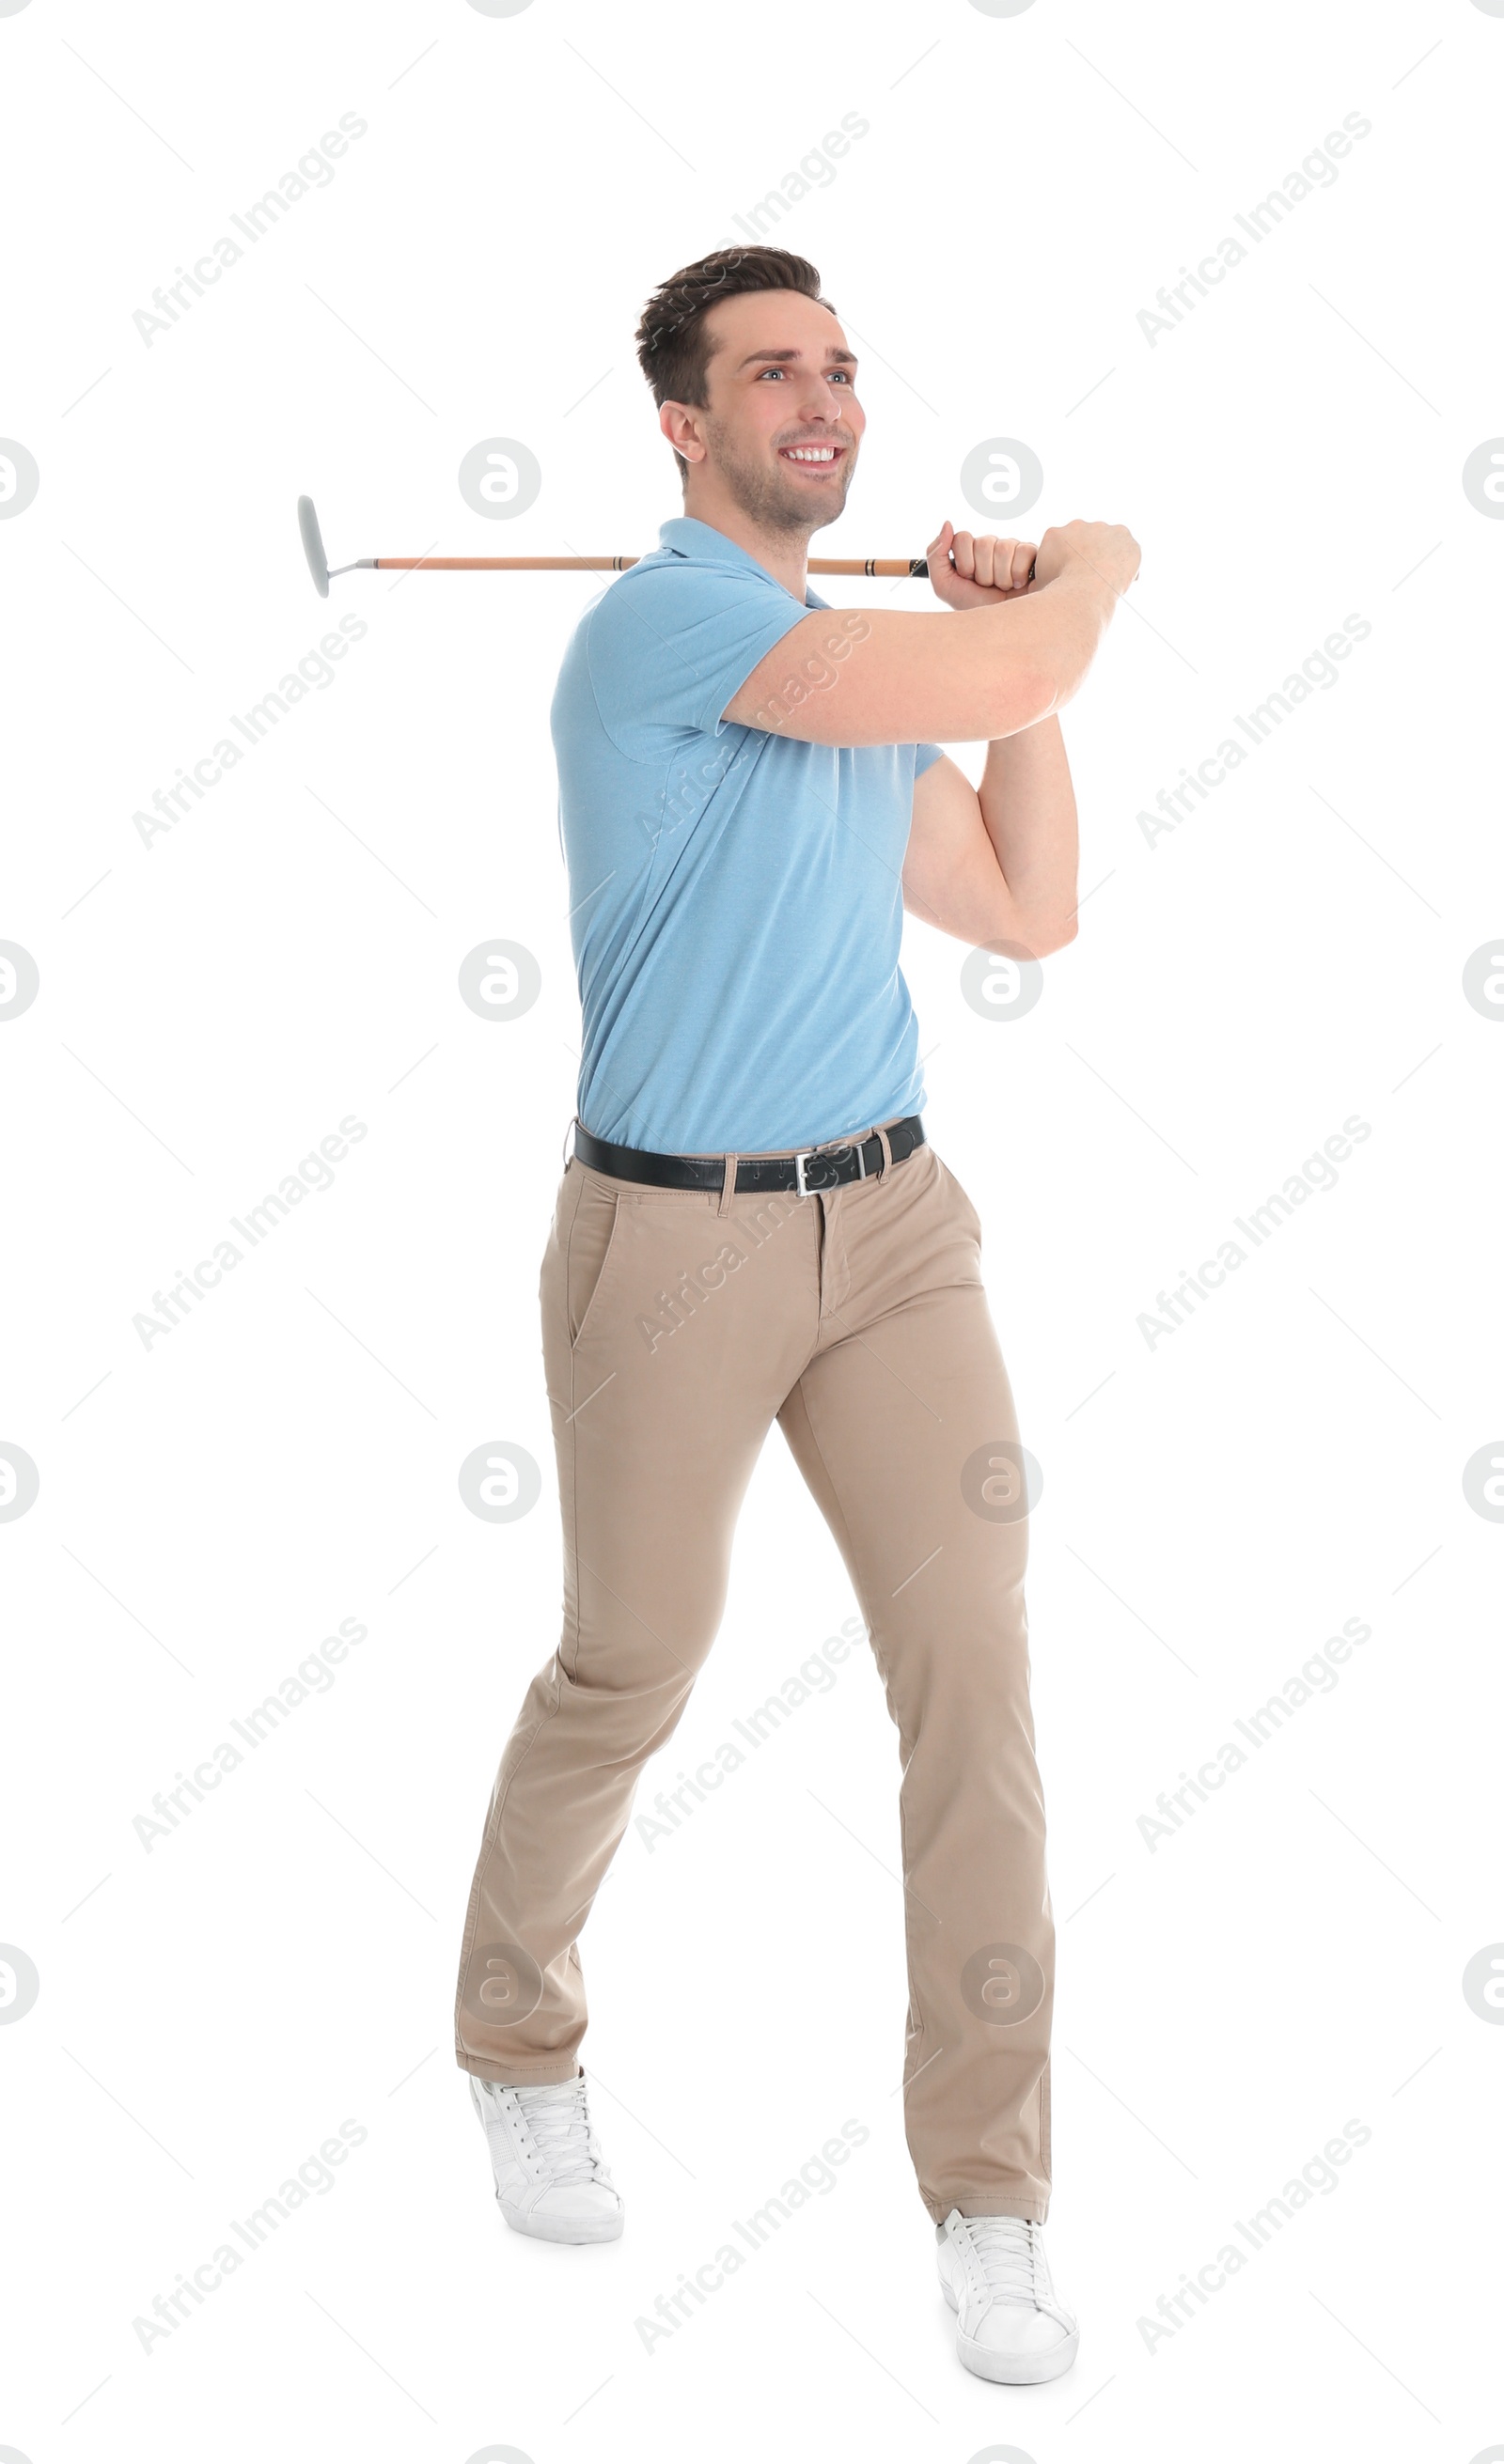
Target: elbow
x=1021, y=697
x=1051, y=933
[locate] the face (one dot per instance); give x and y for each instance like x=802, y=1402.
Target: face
x=783, y=425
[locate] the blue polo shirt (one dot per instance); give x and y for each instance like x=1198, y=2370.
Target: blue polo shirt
x=736, y=897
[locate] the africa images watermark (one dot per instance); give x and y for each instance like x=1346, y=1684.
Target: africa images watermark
x=688, y=789
x=816, y=170
x=1317, y=2177
x=1319, y=171
x=315, y=1675
x=812, y=674
x=315, y=170
x=313, y=672
x=816, y=2178
x=1318, y=673
x=673, y=1807
x=314, y=1173
x=691, y=787
x=676, y=1307
x=1318, y=1675
x=1261, y=1223
x=315, y=2178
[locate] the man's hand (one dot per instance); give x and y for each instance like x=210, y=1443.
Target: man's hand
x=968, y=572
x=1105, y=549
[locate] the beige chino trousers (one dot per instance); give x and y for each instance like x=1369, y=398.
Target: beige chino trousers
x=677, y=1326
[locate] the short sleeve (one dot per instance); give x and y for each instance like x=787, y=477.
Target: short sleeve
x=669, y=646
x=925, y=756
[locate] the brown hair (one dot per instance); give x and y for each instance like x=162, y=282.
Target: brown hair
x=674, y=350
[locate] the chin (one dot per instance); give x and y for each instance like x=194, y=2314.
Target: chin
x=805, y=516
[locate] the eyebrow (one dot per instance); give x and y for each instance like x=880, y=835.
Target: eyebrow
x=834, y=358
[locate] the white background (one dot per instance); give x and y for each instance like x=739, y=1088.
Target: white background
x=213, y=1004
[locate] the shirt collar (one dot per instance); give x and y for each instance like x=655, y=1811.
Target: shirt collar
x=686, y=536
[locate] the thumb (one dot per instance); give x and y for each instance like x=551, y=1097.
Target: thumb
x=936, y=556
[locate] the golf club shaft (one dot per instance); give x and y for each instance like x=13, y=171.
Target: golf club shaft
x=894, y=568
x=897, y=566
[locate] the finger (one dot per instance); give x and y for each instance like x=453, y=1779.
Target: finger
x=963, y=549
x=1003, y=563
x=1010, y=564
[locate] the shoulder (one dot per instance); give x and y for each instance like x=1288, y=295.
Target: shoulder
x=681, y=587
x=624, y=601
x=671, y=609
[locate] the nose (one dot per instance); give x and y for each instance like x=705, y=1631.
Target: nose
x=824, y=401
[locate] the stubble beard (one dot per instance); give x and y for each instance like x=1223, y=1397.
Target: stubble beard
x=779, y=507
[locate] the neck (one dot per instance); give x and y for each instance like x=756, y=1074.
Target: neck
x=784, y=554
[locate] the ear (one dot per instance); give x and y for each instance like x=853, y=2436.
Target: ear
x=678, y=422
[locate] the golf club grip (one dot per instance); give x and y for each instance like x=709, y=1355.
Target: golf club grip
x=897, y=567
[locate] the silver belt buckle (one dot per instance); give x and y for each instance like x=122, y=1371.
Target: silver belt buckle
x=847, y=1145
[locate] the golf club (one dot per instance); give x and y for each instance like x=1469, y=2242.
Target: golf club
x=897, y=567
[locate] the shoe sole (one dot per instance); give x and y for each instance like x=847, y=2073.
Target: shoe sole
x=560, y=2229
x=1025, y=2369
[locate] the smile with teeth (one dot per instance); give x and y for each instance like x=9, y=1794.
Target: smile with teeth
x=812, y=457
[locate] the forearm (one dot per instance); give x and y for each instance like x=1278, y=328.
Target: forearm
x=1055, y=631
x=1029, y=807
x=1005, y=658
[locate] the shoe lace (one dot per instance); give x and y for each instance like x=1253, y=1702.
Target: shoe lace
x=1011, y=2260
x=559, y=2125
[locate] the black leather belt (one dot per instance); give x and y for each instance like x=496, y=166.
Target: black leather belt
x=810, y=1169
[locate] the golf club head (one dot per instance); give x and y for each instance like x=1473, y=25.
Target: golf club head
x=313, y=545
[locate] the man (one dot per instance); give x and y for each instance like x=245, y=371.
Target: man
x=752, y=1226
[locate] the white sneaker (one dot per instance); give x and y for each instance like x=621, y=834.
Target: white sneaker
x=1010, y=2325
x=550, y=2180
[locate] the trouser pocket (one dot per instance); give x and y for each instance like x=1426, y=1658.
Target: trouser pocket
x=592, y=1236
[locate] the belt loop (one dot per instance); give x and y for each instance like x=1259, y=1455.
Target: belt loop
x=728, y=1186
x=881, y=1136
